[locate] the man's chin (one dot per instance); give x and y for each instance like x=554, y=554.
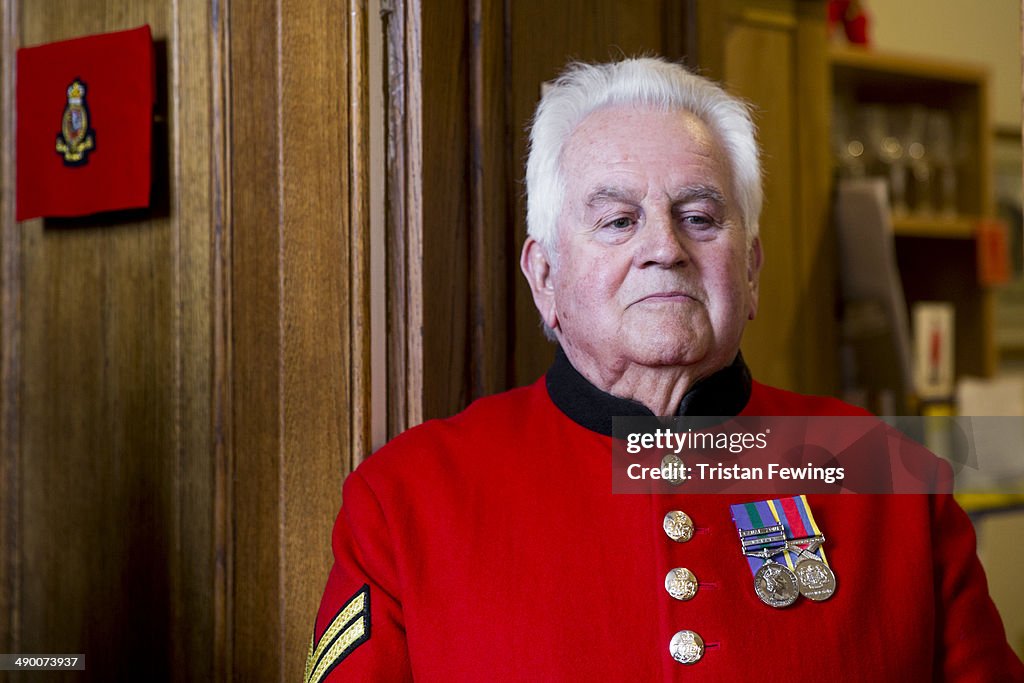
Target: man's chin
x=669, y=343
x=669, y=355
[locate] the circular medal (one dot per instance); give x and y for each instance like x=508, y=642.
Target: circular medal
x=776, y=585
x=686, y=647
x=681, y=584
x=815, y=580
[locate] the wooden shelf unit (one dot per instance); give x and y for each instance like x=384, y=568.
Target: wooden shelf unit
x=937, y=255
x=956, y=227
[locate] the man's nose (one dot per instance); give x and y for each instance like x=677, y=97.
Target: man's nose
x=661, y=243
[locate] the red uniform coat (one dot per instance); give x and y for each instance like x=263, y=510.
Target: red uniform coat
x=489, y=547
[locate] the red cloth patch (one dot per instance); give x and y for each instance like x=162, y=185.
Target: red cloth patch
x=117, y=70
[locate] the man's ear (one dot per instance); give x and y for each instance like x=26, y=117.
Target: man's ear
x=537, y=268
x=755, y=259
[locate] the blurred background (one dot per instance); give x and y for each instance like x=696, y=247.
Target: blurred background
x=331, y=256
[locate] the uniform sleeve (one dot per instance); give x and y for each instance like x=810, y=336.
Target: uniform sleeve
x=972, y=647
x=359, y=633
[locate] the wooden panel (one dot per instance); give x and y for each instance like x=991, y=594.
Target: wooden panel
x=220, y=312
x=544, y=37
x=10, y=347
x=116, y=480
x=190, y=380
x=290, y=321
x=444, y=209
x=197, y=588
x=818, y=364
x=448, y=222
x=316, y=314
x=396, y=222
x=359, y=234
x=256, y=244
x=491, y=239
x=769, y=342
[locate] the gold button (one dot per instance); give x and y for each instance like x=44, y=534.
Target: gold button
x=672, y=465
x=678, y=526
x=681, y=583
x=686, y=647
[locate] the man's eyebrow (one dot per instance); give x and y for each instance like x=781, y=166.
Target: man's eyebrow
x=689, y=193
x=615, y=194
x=698, y=193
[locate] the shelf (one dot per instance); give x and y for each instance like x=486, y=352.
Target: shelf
x=904, y=68
x=936, y=255
x=956, y=227
x=863, y=77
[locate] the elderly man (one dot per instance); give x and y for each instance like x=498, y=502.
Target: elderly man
x=490, y=547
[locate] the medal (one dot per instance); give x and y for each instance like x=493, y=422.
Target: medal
x=784, y=527
x=775, y=584
x=814, y=578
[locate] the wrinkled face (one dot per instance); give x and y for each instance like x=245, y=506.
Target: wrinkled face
x=652, y=264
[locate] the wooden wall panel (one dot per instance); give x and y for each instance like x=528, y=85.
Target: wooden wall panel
x=769, y=340
x=444, y=207
x=361, y=187
x=255, y=329
x=184, y=387
x=447, y=208
x=10, y=347
x=403, y=379
x=819, y=263
x=198, y=540
x=316, y=308
x=115, y=540
x=290, y=321
x=491, y=193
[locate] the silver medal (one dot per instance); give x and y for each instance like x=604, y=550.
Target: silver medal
x=815, y=580
x=775, y=584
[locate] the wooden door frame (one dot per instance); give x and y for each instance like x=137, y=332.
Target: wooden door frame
x=10, y=339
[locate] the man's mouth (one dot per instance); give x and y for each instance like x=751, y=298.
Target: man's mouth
x=667, y=297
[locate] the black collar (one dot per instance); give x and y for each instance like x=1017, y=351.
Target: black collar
x=724, y=393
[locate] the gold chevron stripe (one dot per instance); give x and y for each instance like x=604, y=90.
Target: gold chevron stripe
x=352, y=622
x=309, y=655
x=345, y=644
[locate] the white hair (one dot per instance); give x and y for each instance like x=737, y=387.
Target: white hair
x=650, y=82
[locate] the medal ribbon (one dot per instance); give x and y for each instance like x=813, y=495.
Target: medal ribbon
x=794, y=514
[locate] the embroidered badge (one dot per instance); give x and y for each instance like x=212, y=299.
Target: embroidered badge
x=349, y=629
x=76, y=139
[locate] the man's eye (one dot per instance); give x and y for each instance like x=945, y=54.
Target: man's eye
x=697, y=220
x=621, y=223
